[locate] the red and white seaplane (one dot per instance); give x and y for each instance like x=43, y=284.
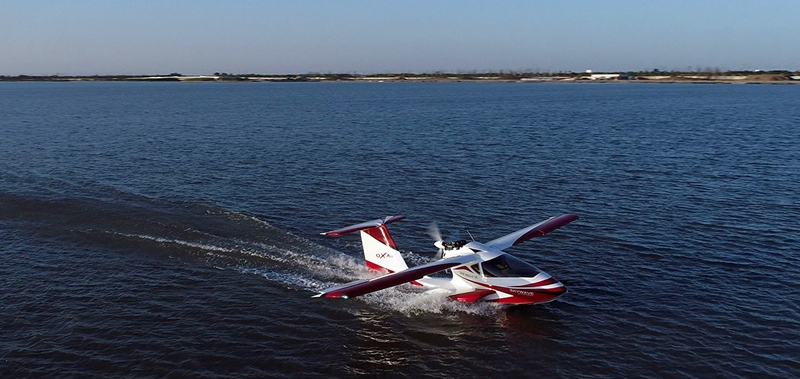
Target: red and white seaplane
x=480, y=271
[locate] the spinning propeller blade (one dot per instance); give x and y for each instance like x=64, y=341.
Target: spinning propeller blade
x=436, y=234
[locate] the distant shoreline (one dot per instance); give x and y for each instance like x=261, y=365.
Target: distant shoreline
x=772, y=77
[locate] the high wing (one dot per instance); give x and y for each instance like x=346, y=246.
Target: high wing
x=536, y=230
x=360, y=287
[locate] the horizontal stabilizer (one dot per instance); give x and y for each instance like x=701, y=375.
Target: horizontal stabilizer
x=536, y=230
x=362, y=286
x=364, y=225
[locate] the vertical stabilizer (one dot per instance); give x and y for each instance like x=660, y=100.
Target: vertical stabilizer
x=380, y=251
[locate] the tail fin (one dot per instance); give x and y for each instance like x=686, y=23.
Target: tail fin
x=380, y=251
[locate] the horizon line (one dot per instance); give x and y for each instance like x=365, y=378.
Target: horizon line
x=401, y=73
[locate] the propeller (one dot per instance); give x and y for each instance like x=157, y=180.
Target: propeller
x=436, y=234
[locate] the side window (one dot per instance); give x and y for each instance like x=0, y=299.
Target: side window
x=475, y=269
x=508, y=266
x=486, y=273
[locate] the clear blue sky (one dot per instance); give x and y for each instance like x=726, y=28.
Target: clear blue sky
x=85, y=37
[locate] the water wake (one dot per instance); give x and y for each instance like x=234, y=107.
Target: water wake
x=227, y=240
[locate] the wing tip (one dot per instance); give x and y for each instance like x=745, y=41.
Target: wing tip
x=328, y=295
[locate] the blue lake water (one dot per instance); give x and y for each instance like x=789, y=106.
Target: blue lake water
x=172, y=229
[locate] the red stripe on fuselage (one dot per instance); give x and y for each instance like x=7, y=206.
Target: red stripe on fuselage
x=469, y=297
x=540, y=298
x=525, y=294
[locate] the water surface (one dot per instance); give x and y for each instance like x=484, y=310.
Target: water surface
x=171, y=229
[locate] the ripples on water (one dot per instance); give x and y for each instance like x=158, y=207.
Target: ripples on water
x=171, y=229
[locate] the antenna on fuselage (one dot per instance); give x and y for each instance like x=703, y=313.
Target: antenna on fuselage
x=470, y=236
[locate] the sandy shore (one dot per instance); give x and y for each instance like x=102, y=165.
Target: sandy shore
x=573, y=78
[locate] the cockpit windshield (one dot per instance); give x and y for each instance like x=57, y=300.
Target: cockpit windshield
x=506, y=265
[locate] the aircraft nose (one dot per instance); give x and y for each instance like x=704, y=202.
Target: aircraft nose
x=562, y=289
x=548, y=289
x=551, y=292
x=552, y=288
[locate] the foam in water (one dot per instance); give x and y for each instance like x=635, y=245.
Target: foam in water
x=302, y=265
x=177, y=242
x=406, y=299
x=414, y=302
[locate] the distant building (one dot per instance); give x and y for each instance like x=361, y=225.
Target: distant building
x=605, y=77
x=378, y=78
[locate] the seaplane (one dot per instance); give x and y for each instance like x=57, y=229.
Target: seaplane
x=480, y=271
